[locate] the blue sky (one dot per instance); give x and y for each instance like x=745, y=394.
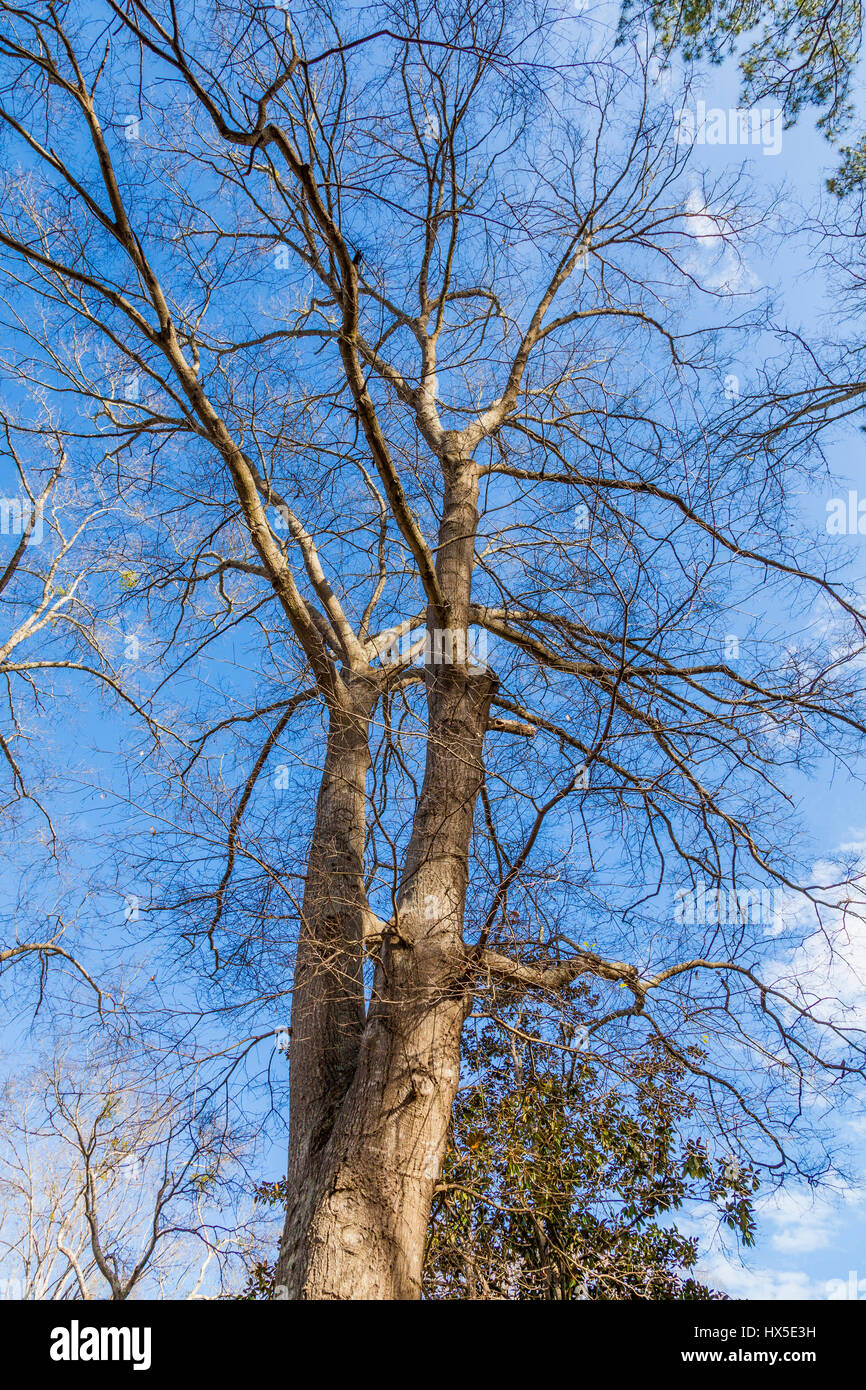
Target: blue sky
x=807, y=1243
x=810, y=1245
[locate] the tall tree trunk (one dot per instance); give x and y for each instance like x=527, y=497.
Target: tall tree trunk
x=328, y=1011
x=357, y=1227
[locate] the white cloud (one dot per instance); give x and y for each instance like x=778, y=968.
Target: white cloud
x=828, y=959
x=713, y=260
x=794, y=1221
x=735, y=1279
x=804, y=1221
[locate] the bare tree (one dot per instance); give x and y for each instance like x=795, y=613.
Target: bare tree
x=56, y=642
x=111, y=1189
x=427, y=418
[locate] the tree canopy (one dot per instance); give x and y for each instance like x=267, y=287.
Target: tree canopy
x=382, y=462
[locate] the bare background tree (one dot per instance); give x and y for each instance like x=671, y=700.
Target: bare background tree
x=112, y=1190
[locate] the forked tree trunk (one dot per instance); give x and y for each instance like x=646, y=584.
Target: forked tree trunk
x=357, y=1222
x=364, y=1159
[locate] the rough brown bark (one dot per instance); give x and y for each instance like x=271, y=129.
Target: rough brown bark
x=328, y=995
x=362, y=1182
